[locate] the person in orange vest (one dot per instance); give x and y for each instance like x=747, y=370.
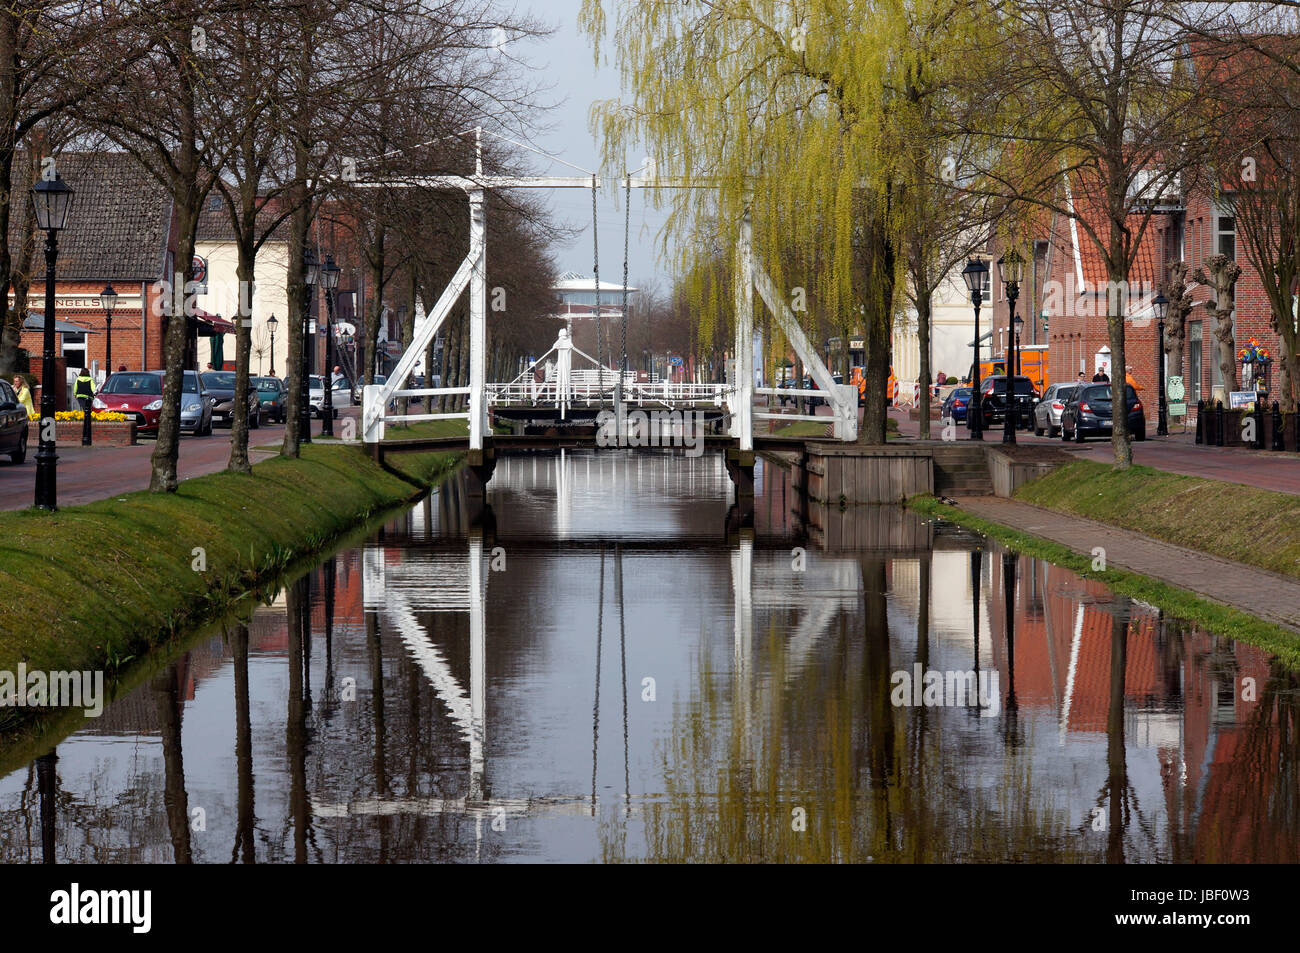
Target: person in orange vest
x=1128, y=377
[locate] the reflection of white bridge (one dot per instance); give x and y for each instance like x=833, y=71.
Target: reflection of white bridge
x=443, y=580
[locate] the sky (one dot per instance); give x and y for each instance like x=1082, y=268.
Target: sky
x=565, y=63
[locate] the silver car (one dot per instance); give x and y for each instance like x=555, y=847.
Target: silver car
x=1047, y=415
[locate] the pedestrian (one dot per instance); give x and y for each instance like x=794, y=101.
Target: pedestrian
x=1082, y=379
x=84, y=391
x=24, y=395
x=1101, y=377
x=1128, y=377
x=121, y=368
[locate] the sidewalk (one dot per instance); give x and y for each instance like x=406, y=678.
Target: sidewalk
x=1270, y=596
x=1177, y=453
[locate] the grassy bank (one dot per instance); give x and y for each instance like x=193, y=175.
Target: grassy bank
x=1253, y=526
x=1177, y=602
x=95, y=586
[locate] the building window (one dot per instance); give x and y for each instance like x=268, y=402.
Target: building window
x=1228, y=237
x=74, y=350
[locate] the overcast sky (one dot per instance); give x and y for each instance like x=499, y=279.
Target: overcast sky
x=565, y=63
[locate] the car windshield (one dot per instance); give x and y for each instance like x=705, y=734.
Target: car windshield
x=220, y=379
x=133, y=384
x=1023, y=385
x=268, y=383
x=961, y=392
x=1102, y=392
x=191, y=385
x=1065, y=392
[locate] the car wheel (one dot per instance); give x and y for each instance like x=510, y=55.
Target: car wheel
x=19, y=455
x=256, y=422
x=1038, y=431
x=1141, y=434
x=1078, y=434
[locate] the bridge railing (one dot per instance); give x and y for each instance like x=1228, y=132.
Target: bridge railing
x=548, y=393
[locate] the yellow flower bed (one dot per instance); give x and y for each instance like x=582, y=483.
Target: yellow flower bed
x=101, y=416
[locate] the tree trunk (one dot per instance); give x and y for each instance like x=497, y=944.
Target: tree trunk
x=1119, y=437
x=1221, y=274
x=923, y=314
x=239, y=462
x=1180, y=306
x=167, y=447
x=297, y=298
x=376, y=312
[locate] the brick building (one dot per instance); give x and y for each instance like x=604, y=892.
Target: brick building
x=120, y=230
x=1189, y=227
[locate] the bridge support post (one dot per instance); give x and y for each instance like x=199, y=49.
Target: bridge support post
x=740, y=467
x=479, y=465
x=477, y=321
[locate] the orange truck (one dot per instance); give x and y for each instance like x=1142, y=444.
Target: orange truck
x=857, y=377
x=1033, y=364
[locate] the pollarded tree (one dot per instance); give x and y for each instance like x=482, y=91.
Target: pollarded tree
x=1098, y=109
x=794, y=114
x=1220, y=274
x=1178, y=293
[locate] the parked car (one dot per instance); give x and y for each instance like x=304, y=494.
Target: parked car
x=273, y=397
x=139, y=394
x=1047, y=414
x=955, y=404
x=316, y=396
x=1090, y=413
x=13, y=424
x=220, y=386
x=993, y=401
x=361, y=382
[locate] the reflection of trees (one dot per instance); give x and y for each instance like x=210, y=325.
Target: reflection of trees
x=877, y=783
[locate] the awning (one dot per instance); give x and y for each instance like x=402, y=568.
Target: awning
x=35, y=321
x=215, y=323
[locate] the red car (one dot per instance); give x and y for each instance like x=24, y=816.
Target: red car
x=138, y=394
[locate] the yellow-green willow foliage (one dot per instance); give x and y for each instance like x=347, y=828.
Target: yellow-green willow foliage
x=804, y=112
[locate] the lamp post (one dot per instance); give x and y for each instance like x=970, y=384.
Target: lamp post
x=109, y=297
x=1161, y=304
x=1011, y=267
x=51, y=200
x=975, y=274
x=329, y=280
x=271, y=325
x=311, y=272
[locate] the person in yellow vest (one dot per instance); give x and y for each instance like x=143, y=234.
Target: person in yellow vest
x=84, y=391
x=24, y=395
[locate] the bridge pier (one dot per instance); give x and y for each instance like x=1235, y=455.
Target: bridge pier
x=479, y=465
x=740, y=467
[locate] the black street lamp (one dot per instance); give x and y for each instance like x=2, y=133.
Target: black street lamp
x=271, y=325
x=1012, y=270
x=329, y=280
x=1161, y=304
x=51, y=200
x=109, y=297
x=976, y=274
x=311, y=273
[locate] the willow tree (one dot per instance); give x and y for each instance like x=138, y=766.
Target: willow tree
x=797, y=115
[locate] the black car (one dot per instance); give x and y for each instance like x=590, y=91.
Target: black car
x=955, y=405
x=220, y=386
x=1090, y=413
x=13, y=424
x=993, y=401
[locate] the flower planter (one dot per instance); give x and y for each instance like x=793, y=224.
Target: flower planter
x=102, y=434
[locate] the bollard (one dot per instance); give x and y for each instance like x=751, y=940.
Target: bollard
x=1218, y=423
x=85, y=423
x=1259, y=425
x=1277, y=428
x=1200, y=421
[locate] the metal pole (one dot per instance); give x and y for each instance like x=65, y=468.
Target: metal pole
x=976, y=421
x=108, y=343
x=273, y=352
x=327, y=425
x=1013, y=369
x=1162, y=418
x=47, y=478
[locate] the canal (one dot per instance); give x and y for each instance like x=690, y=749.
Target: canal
x=609, y=664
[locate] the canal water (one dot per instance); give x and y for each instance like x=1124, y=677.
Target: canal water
x=612, y=663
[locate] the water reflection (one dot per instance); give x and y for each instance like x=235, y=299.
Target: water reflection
x=610, y=662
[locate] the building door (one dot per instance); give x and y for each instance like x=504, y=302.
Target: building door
x=1193, y=383
x=74, y=350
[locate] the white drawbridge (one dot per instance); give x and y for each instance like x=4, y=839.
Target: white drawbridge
x=737, y=396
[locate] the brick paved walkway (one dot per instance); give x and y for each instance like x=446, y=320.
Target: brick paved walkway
x=1270, y=596
x=1177, y=453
